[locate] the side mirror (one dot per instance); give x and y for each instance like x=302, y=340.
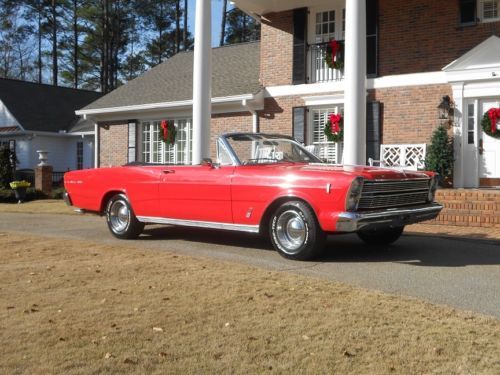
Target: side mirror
x=209, y=163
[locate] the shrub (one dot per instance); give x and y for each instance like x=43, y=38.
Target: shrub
x=7, y=161
x=440, y=154
x=7, y=195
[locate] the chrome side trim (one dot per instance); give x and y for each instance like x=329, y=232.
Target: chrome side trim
x=199, y=224
x=354, y=221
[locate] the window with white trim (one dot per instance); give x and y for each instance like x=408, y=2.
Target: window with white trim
x=79, y=155
x=154, y=150
x=330, y=151
x=489, y=10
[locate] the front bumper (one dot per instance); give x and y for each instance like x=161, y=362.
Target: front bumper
x=67, y=199
x=394, y=217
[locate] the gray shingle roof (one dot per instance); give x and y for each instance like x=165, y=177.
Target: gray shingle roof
x=235, y=71
x=40, y=107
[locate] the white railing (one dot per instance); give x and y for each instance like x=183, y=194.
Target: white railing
x=407, y=156
x=319, y=70
x=327, y=151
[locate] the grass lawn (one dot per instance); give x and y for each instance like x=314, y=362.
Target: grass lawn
x=46, y=206
x=74, y=307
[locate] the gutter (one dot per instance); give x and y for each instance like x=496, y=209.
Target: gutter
x=255, y=117
x=163, y=105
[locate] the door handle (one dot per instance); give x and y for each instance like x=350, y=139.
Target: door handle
x=167, y=171
x=480, y=148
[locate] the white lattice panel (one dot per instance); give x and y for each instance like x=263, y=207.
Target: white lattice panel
x=409, y=156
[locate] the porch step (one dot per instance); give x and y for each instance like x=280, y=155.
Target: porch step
x=469, y=208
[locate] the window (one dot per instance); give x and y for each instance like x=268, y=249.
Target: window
x=325, y=26
x=489, y=10
x=79, y=155
x=154, y=150
x=471, y=119
x=325, y=150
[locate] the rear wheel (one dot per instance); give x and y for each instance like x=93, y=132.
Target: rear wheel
x=295, y=232
x=382, y=236
x=121, y=219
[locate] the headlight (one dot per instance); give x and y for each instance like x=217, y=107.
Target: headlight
x=432, y=188
x=354, y=194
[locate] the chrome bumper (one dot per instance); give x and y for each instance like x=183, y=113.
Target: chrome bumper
x=394, y=217
x=67, y=199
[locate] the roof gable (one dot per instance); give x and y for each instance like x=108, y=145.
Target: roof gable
x=485, y=55
x=39, y=107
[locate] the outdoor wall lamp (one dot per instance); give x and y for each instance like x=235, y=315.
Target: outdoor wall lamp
x=446, y=108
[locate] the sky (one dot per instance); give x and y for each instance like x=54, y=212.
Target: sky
x=216, y=18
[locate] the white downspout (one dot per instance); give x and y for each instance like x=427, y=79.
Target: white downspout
x=355, y=83
x=202, y=79
x=255, y=117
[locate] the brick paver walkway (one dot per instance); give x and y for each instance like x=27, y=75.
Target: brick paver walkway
x=455, y=231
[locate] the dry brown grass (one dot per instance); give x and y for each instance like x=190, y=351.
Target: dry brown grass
x=74, y=307
x=44, y=206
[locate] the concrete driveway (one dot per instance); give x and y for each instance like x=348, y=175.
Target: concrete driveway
x=461, y=273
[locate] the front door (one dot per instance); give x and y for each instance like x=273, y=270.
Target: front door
x=488, y=148
x=196, y=193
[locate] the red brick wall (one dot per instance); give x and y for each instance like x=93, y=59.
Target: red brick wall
x=227, y=123
x=113, y=144
x=424, y=35
x=409, y=114
x=113, y=138
x=277, y=114
x=276, y=54
x=470, y=208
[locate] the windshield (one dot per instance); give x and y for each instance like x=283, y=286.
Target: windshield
x=263, y=149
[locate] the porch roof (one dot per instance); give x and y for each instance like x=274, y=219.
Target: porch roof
x=261, y=7
x=235, y=73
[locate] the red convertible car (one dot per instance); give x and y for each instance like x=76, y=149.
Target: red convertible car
x=260, y=183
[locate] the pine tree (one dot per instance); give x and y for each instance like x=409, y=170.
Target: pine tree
x=241, y=27
x=439, y=156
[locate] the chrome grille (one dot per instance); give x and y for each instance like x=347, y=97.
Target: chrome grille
x=387, y=194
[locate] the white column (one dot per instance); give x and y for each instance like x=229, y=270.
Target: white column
x=202, y=79
x=355, y=83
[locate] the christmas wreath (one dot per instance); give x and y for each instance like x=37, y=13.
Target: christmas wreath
x=489, y=122
x=169, y=131
x=334, y=57
x=334, y=128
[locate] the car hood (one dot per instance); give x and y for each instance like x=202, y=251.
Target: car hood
x=370, y=173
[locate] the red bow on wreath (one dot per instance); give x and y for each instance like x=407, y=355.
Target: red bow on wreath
x=335, y=46
x=334, y=122
x=494, y=115
x=164, y=126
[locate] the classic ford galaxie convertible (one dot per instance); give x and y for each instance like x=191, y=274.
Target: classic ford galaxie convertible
x=260, y=183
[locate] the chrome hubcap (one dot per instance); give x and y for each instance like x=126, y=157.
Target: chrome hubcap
x=291, y=231
x=119, y=216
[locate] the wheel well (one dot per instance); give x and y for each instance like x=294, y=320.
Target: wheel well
x=264, y=227
x=106, y=198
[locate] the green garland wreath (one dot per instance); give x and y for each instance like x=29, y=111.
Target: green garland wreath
x=486, y=125
x=330, y=135
x=168, y=131
x=339, y=61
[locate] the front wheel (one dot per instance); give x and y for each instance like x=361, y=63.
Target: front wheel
x=382, y=236
x=295, y=233
x=121, y=218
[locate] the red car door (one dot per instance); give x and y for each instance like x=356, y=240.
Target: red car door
x=198, y=193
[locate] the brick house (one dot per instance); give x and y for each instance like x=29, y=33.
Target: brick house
x=414, y=54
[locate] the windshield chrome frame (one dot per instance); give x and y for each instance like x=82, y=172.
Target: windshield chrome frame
x=234, y=157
